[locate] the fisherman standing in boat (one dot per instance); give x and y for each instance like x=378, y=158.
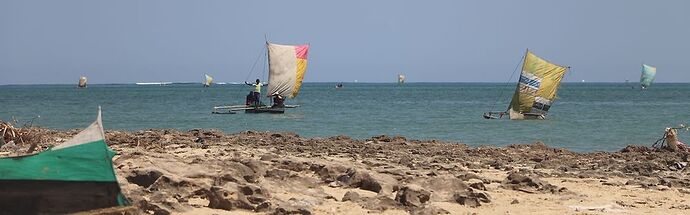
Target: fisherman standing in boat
x=257, y=91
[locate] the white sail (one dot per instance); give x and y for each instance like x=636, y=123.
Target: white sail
x=287, y=65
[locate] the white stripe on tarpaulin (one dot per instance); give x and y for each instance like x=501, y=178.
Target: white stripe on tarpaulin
x=90, y=134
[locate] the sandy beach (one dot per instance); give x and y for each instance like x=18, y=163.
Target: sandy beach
x=210, y=172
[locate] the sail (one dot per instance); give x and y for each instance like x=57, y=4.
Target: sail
x=208, y=81
x=647, y=77
x=82, y=82
x=537, y=87
x=401, y=79
x=287, y=65
x=78, y=173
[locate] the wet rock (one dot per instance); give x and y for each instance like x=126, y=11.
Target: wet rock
x=412, y=195
x=471, y=198
x=351, y=196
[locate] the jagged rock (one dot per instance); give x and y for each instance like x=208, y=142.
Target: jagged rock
x=153, y=208
x=443, y=187
x=515, y=201
x=412, y=195
x=249, y=197
x=238, y=172
x=350, y=196
x=378, y=203
x=478, y=186
x=277, y=173
x=643, y=181
x=521, y=182
x=328, y=173
x=255, y=166
x=429, y=210
x=144, y=177
x=268, y=157
x=220, y=198
x=378, y=183
x=289, y=209
x=471, y=198
x=674, y=182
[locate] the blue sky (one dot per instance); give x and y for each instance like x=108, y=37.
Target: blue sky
x=370, y=41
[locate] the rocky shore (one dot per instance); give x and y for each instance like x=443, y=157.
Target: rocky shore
x=210, y=172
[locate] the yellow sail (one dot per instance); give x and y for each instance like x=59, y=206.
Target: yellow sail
x=208, y=81
x=536, y=90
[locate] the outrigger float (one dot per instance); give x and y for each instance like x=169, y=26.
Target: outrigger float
x=287, y=65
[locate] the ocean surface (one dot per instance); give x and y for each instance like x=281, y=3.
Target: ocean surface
x=586, y=116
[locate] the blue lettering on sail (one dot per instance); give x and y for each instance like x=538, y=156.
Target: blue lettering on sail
x=530, y=81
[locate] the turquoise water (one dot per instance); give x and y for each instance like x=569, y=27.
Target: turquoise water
x=586, y=117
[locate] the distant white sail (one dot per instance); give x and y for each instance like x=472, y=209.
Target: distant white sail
x=401, y=79
x=82, y=82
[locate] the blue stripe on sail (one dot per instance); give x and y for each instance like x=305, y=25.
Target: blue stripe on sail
x=533, y=83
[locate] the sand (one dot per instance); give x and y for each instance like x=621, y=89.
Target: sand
x=210, y=172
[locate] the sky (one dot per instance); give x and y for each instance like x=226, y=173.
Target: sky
x=128, y=41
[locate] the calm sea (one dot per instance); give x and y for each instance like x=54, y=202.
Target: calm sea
x=586, y=117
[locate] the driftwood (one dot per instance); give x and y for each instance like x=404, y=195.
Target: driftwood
x=9, y=133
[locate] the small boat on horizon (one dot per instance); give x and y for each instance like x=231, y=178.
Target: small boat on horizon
x=153, y=83
x=82, y=82
x=401, y=79
x=536, y=89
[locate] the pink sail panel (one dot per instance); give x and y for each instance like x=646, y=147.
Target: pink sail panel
x=302, y=51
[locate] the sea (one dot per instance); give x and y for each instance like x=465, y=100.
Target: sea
x=586, y=117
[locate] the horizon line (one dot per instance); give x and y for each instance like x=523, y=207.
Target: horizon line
x=364, y=82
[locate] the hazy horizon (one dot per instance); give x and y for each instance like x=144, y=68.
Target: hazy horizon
x=55, y=42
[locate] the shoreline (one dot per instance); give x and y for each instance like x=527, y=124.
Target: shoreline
x=211, y=172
